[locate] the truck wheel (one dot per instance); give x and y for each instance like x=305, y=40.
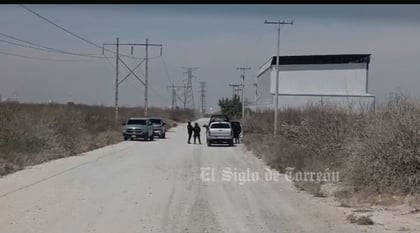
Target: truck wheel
x=208, y=143
x=146, y=138
x=151, y=138
x=231, y=142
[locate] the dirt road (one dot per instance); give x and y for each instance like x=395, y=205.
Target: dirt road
x=155, y=186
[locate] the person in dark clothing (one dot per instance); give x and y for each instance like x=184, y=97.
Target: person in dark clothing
x=197, y=131
x=236, y=128
x=238, y=132
x=190, y=131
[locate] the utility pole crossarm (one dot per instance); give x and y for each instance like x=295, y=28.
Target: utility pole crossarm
x=277, y=22
x=138, y=44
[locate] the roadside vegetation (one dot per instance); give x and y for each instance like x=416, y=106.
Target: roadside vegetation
x=377, y=154
x=231, y=107
x=35, y=133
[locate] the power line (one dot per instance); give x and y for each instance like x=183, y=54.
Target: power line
x=189, y=93
x=40, y=58
x=166, y=71
x=132, y=71
x=23, y=45
x=175, y=95
x=69, y=32
x=43, y=47
x=139, y=68
x=62, y=28
x=175, y=88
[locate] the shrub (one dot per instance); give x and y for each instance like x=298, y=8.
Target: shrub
x=376, y=152
x=36, y=133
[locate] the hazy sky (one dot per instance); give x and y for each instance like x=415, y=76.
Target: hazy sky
x=216, y=38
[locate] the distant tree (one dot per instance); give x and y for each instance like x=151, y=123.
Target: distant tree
x=231, y=107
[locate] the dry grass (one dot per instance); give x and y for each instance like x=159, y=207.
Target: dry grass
x=35, y=133
x=361, y=220
x=311, y=187
x=375, y=152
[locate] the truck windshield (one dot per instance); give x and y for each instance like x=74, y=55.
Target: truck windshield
x=156, y=121
x=136, y=122
x=219, y=118
x=220, y=126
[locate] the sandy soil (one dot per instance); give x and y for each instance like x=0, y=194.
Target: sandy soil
x=156, y=186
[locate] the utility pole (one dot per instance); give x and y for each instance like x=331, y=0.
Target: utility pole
x=117, y=58
x=173, y=97
x=203, y=95
x=243, y=70
x=185, y=96
x=132, y=71
x=146, y=79
x=279, y=23
x=189, y=93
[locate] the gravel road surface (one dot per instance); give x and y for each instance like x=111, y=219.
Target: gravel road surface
x=158, y=186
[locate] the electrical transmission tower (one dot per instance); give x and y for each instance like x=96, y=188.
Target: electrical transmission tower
x=189, y=93
x=175, y=96
x=132, y=71
x=203, y=96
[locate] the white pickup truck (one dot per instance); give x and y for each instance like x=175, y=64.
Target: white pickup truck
x=219, y=132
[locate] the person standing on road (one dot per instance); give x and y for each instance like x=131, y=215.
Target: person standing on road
x=237, y=133
x=190, y=131
x=197, y=131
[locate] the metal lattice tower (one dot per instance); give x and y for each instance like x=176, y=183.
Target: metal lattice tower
x=189, y=93
x=203, y=97
x=175, y=96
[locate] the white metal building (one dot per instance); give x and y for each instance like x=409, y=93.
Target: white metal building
x=339, y=79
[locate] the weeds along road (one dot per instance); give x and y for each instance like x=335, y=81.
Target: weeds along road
x=155, y=186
